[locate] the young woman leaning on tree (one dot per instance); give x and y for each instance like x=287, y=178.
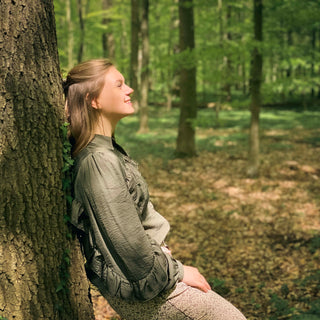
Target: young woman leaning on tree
x=121, y=234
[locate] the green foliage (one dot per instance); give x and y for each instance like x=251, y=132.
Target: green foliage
x=280, y=308
x=219, y=286
x=314, y=244
x=3, y=318
x=64, y=273
x=224, y=42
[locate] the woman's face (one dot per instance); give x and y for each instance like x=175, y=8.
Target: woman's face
x=114, y=100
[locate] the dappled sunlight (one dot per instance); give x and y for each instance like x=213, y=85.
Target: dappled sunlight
x=253, y=234
x=275, y=133
x=249, y=232
x=166, y=195
x=308, y=216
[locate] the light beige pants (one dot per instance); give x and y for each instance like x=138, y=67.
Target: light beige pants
x=184, y=302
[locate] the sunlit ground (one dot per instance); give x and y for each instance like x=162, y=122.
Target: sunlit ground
x=256, y=240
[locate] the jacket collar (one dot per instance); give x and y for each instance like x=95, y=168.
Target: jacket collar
x=104, y=142
x=99, y=141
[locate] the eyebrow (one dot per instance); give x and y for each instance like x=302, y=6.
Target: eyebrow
x=121, y=80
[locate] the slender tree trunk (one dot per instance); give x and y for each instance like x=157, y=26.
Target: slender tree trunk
x=313, y=45
x=289, y=73
x=135, y=29
x=188, y=99
x=318, y=71
x=123, y=42
x=244, y=77
x=221, y=44
x=243, y=60
x=82, y=30
x=171, y=76
x=35, y=282
x=108, y=42
x=228, y=64
x=256, y=79
x=70, y=34
x=144, y=68
x=289, y=42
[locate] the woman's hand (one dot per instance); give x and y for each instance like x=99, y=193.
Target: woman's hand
x=193, y=278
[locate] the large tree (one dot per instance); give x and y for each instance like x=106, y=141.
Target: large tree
x=35, y=282
x=188, y=95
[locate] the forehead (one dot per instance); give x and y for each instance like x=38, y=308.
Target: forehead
x=113, y=75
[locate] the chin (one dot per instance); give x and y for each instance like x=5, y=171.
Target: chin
x=131, y=110
x=128, y=113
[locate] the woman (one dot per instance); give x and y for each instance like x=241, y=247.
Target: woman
x=121, y=234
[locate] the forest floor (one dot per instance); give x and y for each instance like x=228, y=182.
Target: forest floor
x=257, y=241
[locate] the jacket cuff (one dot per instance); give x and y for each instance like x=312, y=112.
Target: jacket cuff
x=181, y=270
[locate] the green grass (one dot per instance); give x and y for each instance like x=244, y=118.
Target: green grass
x=230, y=130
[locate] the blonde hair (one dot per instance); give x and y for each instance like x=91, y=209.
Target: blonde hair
x=83, y=84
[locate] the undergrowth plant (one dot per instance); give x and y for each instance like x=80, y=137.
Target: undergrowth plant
x=64, y=273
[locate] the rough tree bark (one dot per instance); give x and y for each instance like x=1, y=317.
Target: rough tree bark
x=255, y=84
x=188, y=99
x=143, y=101
x=135, y=29
x=34, y=248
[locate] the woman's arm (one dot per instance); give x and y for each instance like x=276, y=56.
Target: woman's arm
x=101, y=186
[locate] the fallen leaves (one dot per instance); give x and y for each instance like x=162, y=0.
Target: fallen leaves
x=255, y=235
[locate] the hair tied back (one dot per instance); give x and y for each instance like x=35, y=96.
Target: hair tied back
x=65, y=86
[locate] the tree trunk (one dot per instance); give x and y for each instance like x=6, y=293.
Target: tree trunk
x=228, y=64
x=35, y=282
x=313, y=45
x=70, y=34
x=289, y=43
x=256, y=79
x=188, y=100
x=124, y=48
x=82, y=30
x=221, y=44
x=135, y=29
x=318, y=71
x=108, y=42
x=171, y=74
x=144, y=68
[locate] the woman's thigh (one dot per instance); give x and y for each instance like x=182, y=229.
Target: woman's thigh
x=183, y=303
x=195, y=304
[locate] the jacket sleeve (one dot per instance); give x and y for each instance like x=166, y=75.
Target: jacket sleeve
x=133, y=265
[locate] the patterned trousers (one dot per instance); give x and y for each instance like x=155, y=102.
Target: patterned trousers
x=184, y=302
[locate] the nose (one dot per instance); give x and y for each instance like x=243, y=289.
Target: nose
x=129, y=90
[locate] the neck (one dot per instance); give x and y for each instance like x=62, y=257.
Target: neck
x=105, y=127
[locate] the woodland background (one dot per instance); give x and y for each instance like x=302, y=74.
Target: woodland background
x=256, y=240
x=223, y=46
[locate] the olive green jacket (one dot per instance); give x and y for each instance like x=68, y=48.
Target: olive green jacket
x=118, y=228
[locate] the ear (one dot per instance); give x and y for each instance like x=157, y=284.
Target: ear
x=95, y=104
